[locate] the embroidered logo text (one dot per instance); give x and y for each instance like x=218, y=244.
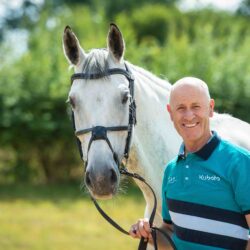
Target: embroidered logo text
x=209, y=177
x=171, y=179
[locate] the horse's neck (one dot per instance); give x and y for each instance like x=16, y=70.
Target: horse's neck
x=155, y=139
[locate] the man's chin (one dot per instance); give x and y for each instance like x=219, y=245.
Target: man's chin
x=191, y=137
x=190, y=133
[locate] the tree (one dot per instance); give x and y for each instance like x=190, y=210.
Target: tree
x=244, y=8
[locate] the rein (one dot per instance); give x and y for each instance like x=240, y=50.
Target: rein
x=100, y=133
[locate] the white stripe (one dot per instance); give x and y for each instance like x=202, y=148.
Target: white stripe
x=209, y=226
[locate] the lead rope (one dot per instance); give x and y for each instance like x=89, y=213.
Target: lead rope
x=143, y=242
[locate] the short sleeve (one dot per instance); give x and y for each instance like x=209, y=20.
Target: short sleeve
x=241, y=180
x=165, y=212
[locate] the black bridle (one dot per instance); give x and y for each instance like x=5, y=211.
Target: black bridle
x=100, y=133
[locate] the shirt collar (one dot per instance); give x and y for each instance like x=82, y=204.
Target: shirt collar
x=205, y=151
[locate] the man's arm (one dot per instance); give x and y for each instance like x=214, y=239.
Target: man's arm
x=248, y=222
x=142, y=229
x=162, y=242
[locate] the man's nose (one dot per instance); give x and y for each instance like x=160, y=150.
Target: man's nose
x=189, y=114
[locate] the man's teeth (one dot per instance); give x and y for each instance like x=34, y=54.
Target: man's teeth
x=190, y=125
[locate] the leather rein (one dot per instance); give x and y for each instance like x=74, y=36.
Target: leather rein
x=100, y=133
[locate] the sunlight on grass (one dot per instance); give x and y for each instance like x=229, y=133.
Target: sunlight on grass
x=38, y=220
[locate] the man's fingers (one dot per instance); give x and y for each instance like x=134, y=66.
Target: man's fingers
x=141, y=229
x=144, y=228
x=147, y=226
x=134, y=231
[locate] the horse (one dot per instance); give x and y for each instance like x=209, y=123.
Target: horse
x=105, y=101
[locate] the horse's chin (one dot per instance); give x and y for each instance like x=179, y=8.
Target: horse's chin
x=103, y=196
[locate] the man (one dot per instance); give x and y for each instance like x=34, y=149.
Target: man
x=206, y=188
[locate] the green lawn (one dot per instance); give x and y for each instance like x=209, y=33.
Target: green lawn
x=61, y=217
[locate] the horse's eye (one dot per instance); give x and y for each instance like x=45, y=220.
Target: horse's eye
x=125, y=98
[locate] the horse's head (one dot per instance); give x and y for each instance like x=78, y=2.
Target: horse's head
x=99, y=101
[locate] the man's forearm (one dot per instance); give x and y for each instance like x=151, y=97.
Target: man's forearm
x=162, y=241
x=248, y=245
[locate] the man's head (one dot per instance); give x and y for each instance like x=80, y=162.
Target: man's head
x=190, y=108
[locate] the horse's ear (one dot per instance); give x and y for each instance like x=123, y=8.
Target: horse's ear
x=115, y=41
x=72, y=49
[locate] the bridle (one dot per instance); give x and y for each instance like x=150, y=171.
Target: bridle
x=100, y=133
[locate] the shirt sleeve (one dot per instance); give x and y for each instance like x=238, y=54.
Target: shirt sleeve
x=241, y=181
x=165, y=212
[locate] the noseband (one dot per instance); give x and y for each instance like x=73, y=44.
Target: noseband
x=100, y=133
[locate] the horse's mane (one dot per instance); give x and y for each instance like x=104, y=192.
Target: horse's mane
x=96, y=62
x=153, y=78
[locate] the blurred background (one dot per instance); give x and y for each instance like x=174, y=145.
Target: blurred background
x=42, y=205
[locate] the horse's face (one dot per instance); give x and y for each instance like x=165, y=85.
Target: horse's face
x=99, y=102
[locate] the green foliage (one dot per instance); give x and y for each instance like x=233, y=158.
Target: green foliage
x=35, y=131
x=244, y=8
x=153, y=23
x=112, y=8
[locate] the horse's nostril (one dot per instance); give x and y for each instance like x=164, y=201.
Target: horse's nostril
x=113, y=176
x=87, y=179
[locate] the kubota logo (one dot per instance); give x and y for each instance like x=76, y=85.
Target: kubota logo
x=209, y=177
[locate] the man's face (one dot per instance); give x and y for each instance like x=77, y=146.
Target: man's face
x=190, y=109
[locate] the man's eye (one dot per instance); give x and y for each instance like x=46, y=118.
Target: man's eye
x=180, y=108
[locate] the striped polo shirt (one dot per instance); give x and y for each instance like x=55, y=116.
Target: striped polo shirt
x=206, y=196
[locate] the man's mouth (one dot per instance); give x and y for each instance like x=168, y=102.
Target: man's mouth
x=190, y=125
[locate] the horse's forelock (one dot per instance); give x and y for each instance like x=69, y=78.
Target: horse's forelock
x=96, y=62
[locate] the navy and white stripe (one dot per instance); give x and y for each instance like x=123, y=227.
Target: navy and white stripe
x=208, y=225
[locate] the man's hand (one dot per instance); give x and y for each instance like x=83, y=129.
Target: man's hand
x=141, y=229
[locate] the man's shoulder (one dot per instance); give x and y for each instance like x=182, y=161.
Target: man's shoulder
x=170, y=165
x=230, y=148
x=172, y=162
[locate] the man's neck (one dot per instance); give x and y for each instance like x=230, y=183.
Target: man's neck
x=197, y=145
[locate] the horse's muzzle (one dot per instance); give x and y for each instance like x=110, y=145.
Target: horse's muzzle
x=102, y=184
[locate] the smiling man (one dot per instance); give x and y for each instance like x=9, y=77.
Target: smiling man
x=190, y=108
x=206, y=188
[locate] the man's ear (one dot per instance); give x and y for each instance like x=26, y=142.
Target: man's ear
x=211, y=107
x=169, y=111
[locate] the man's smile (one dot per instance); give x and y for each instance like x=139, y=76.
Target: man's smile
x=190, y=125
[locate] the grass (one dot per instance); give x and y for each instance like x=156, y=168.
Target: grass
x=60, y=217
